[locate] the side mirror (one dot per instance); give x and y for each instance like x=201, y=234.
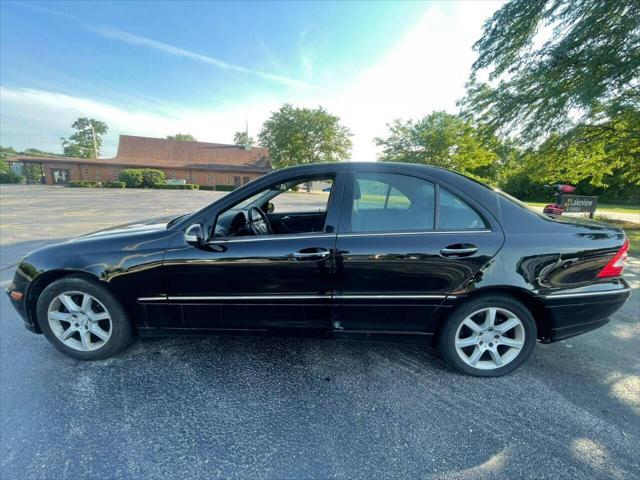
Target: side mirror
x=270, y=207
x=194, y=235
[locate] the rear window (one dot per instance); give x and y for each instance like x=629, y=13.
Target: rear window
x=455, y=214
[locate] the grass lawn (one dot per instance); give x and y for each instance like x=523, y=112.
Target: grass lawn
x=632, y=230
x=601, y=206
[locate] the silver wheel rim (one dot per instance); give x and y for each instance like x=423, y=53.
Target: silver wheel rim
x=80, y=321
x=490, y=338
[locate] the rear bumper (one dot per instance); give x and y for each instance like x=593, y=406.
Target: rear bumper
x=571, y=314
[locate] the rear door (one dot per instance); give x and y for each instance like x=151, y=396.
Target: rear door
x=399, y=256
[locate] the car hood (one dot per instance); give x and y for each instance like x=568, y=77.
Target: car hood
x=142, y=226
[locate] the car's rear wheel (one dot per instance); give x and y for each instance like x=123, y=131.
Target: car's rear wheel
x=488, y=336
x=83, y=319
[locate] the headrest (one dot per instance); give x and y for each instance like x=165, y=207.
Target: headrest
x=356, y=191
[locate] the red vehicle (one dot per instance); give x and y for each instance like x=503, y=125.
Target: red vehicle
x=559, y=190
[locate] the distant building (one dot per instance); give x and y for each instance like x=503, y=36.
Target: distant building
x=194, y=162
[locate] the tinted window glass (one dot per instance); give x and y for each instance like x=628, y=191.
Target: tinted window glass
x=311, y=196
x=456, y=214
x=391, y=202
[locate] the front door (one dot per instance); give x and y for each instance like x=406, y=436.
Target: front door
x=60, y=176
x=395, y=265
x=278, y=281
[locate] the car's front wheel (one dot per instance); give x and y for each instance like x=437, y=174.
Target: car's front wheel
x=83, y=319
x=488, y=336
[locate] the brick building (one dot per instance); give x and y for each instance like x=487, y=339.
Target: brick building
x=195, y=162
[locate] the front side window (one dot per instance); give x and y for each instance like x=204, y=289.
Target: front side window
x=308, y=196
x=292, y=208
x=385, y=202
x=456, y=214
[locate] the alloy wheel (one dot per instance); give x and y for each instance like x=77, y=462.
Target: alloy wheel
x=490, y=338
x=80, y=321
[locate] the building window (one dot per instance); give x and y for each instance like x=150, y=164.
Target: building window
x=236, y=181
x=228, y=180
x=245, y=180
x=208, y=179
x=115, y=174
x=97, y=174
x=187, y=178
x=60, y=176
x=195, y=179
x=173, y=175
x=86, y=174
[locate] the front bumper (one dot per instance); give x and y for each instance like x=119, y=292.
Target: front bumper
x=21, y=307
x=575, y=313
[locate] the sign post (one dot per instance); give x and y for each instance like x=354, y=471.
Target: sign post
x=578, y=204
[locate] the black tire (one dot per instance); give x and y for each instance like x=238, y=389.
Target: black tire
x=447, y=336
x=122, y=332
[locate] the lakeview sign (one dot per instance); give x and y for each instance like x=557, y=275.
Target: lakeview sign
x=578, y=204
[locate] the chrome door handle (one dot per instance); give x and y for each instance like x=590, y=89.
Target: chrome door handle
x=318, y=254
x=463, y=251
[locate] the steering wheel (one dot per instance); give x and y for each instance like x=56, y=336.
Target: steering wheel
x=258, y=222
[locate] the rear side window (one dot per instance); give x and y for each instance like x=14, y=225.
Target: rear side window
x=385, y=202
x=456, y=214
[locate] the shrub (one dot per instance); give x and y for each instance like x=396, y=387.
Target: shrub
x=141, y=177
x=225, y=188
x=151, y=177
x=11, y=177
x=207, y=187
x=85, y=184
x=114, y=185
x=132, y=177
x=185, y=186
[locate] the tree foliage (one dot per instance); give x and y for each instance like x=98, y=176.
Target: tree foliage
x=183, y=137
x=299, y=136
x=141, y=177
x=565, y=77
x=243, y=139
x=87, y=140
x=443, y=140
x=591, y=58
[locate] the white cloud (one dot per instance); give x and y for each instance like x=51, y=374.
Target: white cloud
x=130, y=38
x=140, y=41
x=36, y=118
x=426, y=70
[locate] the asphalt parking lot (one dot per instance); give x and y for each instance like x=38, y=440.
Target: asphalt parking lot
x=287, y=408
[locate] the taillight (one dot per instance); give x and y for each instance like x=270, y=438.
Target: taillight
x=616, y=265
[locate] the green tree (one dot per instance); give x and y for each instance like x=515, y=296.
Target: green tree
x=6, y=175
x=299, y=136
x=443, y=140
x=6, y=153
x=87, y=140
x=36, y=151
x=591, y=57
x=183, y=137
x=574, y=96
x=242, y=139
x=141, y=177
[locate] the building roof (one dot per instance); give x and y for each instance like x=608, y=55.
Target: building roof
x=141, y=152
x=159, y=151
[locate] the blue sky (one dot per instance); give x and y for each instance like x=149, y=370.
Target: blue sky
x=207, y=68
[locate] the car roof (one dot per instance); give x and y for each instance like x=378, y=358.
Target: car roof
x=456, y=179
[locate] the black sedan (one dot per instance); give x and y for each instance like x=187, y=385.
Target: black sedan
x=350, y=251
